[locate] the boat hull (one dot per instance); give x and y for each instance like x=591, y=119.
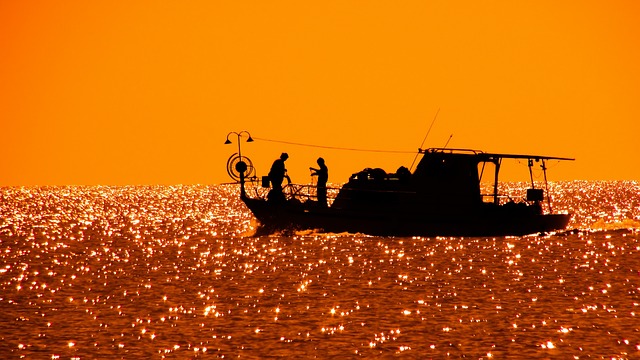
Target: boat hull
x=297, y=216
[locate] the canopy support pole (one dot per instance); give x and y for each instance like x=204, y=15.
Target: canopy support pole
x=495, y=181
x=530, y=164
x=546, y=185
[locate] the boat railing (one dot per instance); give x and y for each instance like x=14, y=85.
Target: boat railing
x=502, y=199
x=450, y=151
x=514, y=200
x=306, y=192
x=300, y=192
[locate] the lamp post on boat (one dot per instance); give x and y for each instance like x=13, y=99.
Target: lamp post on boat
x=241, y=166
x=239, y=134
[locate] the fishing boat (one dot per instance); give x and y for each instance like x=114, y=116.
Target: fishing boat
x=443, y=196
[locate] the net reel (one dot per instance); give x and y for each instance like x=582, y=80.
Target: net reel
x=240, y=164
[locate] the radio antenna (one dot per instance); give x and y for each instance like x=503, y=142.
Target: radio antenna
x=445, y=145
x=425, y=139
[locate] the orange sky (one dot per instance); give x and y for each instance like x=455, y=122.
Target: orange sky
x=144, y=92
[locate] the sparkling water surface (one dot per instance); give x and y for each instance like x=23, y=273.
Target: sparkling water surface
x=120, y=272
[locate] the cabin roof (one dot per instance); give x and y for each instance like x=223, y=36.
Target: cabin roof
x=487, y=156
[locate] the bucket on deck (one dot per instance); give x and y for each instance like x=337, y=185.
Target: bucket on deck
x=265, y=181
x=535, y=195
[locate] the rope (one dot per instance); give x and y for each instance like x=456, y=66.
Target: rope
x=334, y=147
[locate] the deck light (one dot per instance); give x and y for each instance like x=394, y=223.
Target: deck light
x=239, y=134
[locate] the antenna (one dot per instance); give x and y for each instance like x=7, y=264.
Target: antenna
x=445, y=145
x=425, y=139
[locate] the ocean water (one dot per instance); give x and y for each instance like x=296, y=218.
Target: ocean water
x=153, y=272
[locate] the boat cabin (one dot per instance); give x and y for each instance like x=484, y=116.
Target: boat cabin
x=445, y=181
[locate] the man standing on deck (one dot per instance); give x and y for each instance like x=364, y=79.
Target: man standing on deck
x=276, y=175
x=323, y=176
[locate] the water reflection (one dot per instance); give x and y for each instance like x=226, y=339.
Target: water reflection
x=165, y=271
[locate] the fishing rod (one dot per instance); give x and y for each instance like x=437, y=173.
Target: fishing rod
x=425, y=139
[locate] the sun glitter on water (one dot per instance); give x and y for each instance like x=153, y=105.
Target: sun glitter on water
x=169, y=271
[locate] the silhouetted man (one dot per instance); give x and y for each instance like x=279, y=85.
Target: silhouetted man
x=276, y=175
x=323, y=176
